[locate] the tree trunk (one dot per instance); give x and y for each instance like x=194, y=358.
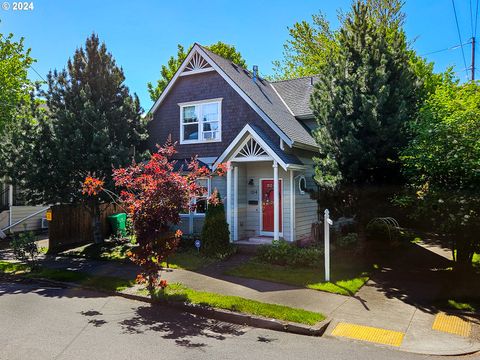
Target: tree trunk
x=96, y=224
x=463, y=260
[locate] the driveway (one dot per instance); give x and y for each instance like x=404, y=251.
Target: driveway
x=40, y=322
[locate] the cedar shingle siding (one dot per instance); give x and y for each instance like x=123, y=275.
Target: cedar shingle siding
x=236, y=113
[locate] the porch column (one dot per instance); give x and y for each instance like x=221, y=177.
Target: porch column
x=276, y=201
x=235, y=203
x=229, y=199
x=292, y=206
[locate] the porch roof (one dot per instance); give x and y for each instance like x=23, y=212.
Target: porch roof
x=285, y=160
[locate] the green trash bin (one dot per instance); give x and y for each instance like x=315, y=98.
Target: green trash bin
x=118, y=223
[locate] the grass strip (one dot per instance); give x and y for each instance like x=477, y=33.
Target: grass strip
x=187, y=260
x=178, y=292
x=348, y=280
x=108, y=283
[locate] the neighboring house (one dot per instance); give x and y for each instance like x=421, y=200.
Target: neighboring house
x=226, y=114
x=14, y=211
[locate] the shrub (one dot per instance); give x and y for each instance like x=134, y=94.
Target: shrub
x=347, y=240
x=283, y=253
x=215, y=234
x=24, y=248
x=377, y=231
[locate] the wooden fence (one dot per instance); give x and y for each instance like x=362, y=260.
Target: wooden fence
x=72, y=224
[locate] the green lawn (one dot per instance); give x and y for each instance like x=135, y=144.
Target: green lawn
x=187, y=260
x=99, y=282
x=8, y=267
x=346, y=280
x=178, y=292
x=465, y=306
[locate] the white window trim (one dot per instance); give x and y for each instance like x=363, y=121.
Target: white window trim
x=200, y=133
x=209, y=192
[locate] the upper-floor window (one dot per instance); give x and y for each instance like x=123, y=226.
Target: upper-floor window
x=201, y=121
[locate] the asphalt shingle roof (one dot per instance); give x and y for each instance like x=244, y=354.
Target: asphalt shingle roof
x=262, y=93
x=287, y=158
x=296, y=93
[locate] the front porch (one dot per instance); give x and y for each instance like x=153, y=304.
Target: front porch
x=260, y=189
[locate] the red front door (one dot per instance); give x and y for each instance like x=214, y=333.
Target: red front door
x=267, y=205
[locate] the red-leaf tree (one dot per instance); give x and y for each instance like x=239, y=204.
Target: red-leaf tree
x=155, y=194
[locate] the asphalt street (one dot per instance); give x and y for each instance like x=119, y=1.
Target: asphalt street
x=38, y=321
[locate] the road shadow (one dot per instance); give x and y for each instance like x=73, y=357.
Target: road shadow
x=183, y=328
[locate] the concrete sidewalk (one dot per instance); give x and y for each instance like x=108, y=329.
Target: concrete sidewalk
x=372, y=306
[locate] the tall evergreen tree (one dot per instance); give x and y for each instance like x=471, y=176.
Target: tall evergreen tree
x=365, y=97
x=90, y=124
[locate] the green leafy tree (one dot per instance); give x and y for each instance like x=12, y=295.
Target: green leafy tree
x=15, y=86
x=442, y=164
x=364, y=98
x=307, y=50
x=167, y=71
x=90, y=124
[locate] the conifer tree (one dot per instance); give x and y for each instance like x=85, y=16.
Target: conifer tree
x=90, y=124
x=365, y=97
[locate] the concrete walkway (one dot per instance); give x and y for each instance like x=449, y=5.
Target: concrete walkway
x=381, y=303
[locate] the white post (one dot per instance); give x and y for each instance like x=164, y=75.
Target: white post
x=276, y=203
x=229, y=199
x=327, y=223
x=10, y=195
x=10, y=204
x=292, y=207
x=235, y=203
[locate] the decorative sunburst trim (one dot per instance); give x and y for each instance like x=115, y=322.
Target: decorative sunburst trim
x=196, y=63
x=252, y=149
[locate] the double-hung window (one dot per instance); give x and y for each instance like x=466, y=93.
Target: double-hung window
x=200, y=202
x=201, y=122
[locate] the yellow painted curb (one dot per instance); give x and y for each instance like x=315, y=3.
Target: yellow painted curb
x=452, y=324
x=367, y=333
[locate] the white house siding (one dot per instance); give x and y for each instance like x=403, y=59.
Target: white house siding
x=20, y=212
x=305, y=207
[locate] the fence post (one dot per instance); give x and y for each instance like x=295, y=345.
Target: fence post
x=326, y=223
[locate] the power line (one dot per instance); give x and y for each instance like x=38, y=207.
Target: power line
x=459, y=35
x=446, y=49
x=18, y=52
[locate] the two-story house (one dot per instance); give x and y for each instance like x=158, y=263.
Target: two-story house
x=226, y=114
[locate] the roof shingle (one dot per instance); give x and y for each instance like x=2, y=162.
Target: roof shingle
x=262, y=93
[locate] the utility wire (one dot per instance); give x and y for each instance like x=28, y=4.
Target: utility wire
x=459, y=36
x=18, y=52
x=446, y=49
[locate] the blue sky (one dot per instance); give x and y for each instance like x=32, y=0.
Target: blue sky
x=143, y=34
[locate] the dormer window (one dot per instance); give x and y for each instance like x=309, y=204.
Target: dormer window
x=201, y=121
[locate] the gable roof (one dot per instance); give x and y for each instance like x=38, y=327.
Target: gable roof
x=260, y=95
x=296, y=94
x=285, y=160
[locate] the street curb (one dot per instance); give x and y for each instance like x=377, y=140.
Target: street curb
x=208, y=312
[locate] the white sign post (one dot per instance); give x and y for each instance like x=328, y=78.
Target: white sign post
x=327, y=222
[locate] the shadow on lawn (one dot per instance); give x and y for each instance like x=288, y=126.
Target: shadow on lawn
x=181, y=327
x=421, y=278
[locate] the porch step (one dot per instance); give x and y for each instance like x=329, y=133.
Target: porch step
x=251, y=245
